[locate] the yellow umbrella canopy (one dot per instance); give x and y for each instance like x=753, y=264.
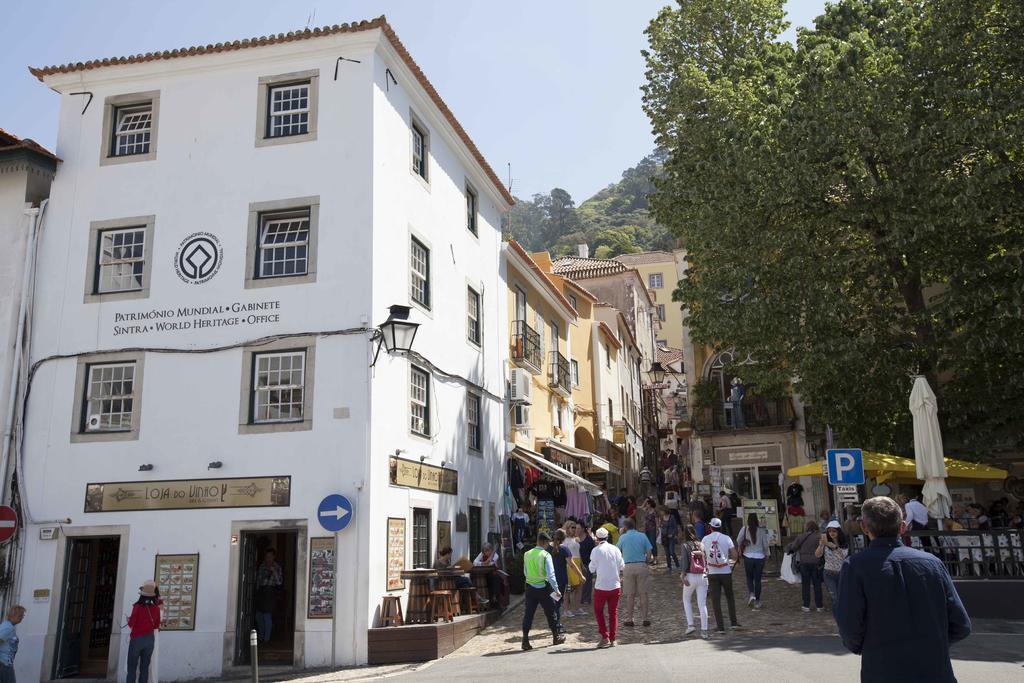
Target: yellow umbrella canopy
x=883, y=466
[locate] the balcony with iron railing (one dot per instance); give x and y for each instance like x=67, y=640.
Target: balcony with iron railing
x=525, y=347
x=559, y=378
x=757, y=413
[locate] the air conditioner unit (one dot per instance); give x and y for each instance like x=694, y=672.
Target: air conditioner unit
x=521, y=382
x=93, y=423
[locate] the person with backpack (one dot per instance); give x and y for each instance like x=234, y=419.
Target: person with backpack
x=695, y=581
x=753, y=544
x=720, y=554
x=804, y=547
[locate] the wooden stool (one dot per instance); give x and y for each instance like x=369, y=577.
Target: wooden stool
x=391, y=611
x=441, y=606
x=468, y=598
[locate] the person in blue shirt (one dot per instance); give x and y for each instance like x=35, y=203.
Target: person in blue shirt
x=897, y=607
x=9, y=642
x=636, y=577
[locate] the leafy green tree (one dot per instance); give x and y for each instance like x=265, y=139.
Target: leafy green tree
x=852, y=207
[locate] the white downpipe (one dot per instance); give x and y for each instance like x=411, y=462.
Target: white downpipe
x=35, y=215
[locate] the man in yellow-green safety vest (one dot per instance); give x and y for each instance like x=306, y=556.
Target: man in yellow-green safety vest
x=541, y=589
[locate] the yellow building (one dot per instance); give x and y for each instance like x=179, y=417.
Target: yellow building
x=594, y=368
x=541, y=371
x=661, y=272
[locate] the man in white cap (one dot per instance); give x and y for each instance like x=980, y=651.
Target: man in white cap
x=721, y=555
x=606, y=565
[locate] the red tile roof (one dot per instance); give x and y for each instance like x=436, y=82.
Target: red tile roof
x=10, y=142
x=666, y=355
x=583, y=268
x=380, y=22
x=645, y=257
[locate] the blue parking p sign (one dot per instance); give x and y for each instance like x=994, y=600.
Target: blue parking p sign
x=845, y=466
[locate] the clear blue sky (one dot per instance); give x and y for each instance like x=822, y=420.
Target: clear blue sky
x=550, y=86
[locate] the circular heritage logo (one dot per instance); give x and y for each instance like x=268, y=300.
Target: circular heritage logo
x=198, y=258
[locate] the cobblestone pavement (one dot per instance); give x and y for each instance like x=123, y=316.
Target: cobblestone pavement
x=780, y=614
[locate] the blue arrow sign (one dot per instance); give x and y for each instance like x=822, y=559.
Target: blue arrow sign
x=334, y=513
x=845, y=466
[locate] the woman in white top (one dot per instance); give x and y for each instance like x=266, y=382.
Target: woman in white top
x=695, y=581
x=753, y=544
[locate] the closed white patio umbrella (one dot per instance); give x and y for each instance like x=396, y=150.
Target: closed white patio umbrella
x=931, y=469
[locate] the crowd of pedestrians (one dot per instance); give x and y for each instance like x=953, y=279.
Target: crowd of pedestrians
x=885, y=589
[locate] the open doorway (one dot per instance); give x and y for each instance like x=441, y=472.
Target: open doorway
x=267, y=594
x=86, y=619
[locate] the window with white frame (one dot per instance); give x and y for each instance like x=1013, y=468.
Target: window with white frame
x=288, y=109
x=471, y=209
x=133, y=130
x=656, y=280
x=419, y=401
x=419, y=266
x=607, y=356
x=575, y=369
x=283, y=244
x=473, y=410
x=121, y=262
x=278, y=387
x=419, y=150
x=473, y=330
x=661, y=312
x=109, y=397
x=573, y=301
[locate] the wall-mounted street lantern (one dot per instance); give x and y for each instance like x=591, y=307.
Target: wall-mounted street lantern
x=396, y=333
x=657, y=372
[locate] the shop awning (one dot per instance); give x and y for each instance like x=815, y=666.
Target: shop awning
x=534, y=459
x=884, y=467
x=595, y=461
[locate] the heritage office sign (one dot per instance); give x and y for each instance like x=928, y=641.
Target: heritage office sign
x=417, y=475
x=191, y=318
x=189, y=494
x=198, y=258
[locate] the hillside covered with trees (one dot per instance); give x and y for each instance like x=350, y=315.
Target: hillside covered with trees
x=614, y=221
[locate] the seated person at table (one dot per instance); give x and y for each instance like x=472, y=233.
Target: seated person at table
x=496, y=581
x=444, y=562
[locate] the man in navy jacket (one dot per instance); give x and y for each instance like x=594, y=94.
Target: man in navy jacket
x=897, y=606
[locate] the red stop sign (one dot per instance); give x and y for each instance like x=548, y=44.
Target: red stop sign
x=8, y=523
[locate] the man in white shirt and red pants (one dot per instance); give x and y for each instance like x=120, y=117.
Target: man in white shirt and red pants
x=606, y=564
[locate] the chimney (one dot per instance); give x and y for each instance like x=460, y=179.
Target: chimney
x=583, y=250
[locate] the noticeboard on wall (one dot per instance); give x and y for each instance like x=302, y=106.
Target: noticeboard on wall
x=322, y=563
x=444, y=534
x=177, y=577
x=396, y=553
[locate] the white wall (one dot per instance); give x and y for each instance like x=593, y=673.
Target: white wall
x=206, y=173
x=14, y=233
x=436, y=213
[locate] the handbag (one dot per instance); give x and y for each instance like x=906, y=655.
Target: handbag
x=576, y=577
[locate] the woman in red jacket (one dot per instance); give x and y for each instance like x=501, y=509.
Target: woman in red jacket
x=143, y=621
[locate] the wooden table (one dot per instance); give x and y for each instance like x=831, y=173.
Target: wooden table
x=418, y=610
x=446, y=581
x=481, y=581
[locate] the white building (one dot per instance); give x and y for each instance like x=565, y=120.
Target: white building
x=26, y=171
x=230, y=225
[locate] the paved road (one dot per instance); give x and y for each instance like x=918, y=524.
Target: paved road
x=779, y=643
x=738, y=659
